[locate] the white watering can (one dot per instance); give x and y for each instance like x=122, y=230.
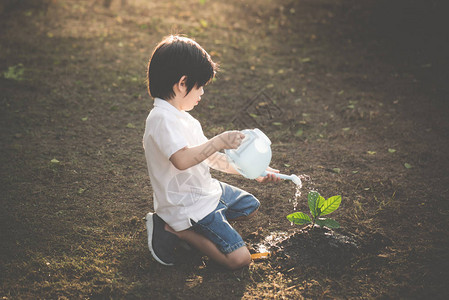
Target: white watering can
x=253, y=156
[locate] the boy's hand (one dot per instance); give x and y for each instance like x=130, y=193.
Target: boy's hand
x=269, y=177
x=230, y=139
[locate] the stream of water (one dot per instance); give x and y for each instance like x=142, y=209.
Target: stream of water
x=304, y=179
x=278, y=236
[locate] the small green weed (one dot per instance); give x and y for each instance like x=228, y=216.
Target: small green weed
x=14, y=72
x=318, y=207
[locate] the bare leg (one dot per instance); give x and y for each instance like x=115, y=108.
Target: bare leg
x=234, y=260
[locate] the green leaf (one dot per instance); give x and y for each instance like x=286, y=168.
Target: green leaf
x=336, y=170
x=408, y=166
x=203, y=23
x=299, y=218
x=54, y=161
x=313, y=199
x=320, y=203
x=14, y=72
x=330, y=205
x=330, y=223
x=391, y=150
x=320, y=222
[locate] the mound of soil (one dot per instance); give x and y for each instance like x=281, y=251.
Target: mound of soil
x=320, y=248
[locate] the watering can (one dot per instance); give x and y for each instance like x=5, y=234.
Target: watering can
x=253, y=156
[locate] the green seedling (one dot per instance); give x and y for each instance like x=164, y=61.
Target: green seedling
x=318, y=207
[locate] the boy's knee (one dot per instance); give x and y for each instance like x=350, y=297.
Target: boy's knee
x=239, y=258
x=239, y=263
x=253, y=213
x=255, y=204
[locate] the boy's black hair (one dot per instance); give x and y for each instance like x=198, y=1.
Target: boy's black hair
x=174, y=57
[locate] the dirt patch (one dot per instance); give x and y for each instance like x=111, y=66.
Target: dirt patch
x=331, y=251
x=321, y=248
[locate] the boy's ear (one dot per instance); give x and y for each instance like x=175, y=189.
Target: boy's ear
x=181, y=85
x=183, y=80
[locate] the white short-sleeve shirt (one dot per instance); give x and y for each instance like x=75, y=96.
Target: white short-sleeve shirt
x=179, y=196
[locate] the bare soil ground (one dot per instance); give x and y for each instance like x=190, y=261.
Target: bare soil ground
x=351, y=93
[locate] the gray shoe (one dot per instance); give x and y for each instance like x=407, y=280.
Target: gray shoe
x=161, y=242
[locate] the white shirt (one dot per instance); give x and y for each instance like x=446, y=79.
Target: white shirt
x=179, y=196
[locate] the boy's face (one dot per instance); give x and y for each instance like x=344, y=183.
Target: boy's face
x=192, y=98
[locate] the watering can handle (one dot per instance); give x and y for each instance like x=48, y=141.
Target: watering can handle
x=247, y=134
x=256, y=133
x=261, y=135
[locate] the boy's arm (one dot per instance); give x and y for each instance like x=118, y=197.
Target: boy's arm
x=219, y=162
x=190, y=156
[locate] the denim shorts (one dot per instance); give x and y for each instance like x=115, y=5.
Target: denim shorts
x=233, y=203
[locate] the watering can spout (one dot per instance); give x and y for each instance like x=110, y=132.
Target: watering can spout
x=296, y=180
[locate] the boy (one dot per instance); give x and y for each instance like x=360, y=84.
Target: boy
x=190, y=205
